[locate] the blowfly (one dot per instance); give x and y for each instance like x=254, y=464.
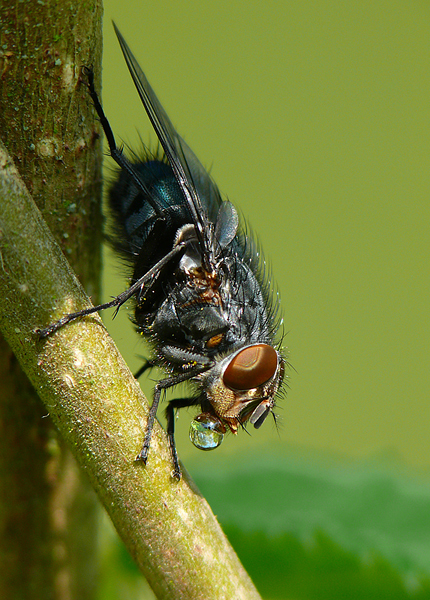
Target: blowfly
x=201, y=296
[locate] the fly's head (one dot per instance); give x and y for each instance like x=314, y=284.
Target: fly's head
x=240, y=388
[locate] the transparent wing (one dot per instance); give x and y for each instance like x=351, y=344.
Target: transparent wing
x=191, y=176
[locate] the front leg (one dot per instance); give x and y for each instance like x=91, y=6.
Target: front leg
x=164, y=384
x=170, y=416
x=143, y=454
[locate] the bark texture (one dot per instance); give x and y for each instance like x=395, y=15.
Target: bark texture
x=47, y=124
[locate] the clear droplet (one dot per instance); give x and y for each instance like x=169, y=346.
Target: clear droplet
x=206, y=432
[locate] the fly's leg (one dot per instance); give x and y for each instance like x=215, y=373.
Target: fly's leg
x=43, y=333
x=116, y=152
x=119, y=300
x=143, y=454
x=147, y=365
x=164, y=384
x=170, y=415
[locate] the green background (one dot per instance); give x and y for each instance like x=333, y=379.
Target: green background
x=314, y=119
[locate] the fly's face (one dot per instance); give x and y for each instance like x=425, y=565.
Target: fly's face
x=240, y=388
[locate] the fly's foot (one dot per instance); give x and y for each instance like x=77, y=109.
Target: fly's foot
x=143, y=455
x=176, y=473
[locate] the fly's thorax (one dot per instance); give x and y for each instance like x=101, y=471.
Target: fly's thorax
x=191, y=317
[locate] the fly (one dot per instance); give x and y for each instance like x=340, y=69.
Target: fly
x=201, y=297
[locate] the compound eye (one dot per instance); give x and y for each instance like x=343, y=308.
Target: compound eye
x=251, y=368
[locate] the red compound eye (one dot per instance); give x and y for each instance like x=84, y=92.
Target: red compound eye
x=252, y=367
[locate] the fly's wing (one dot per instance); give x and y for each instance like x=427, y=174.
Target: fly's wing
x=207, y=190
x=192, y=178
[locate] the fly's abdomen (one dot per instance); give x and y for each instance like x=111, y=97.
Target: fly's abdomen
x=135, y=221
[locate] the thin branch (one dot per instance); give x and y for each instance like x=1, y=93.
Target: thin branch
x=98, y=407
